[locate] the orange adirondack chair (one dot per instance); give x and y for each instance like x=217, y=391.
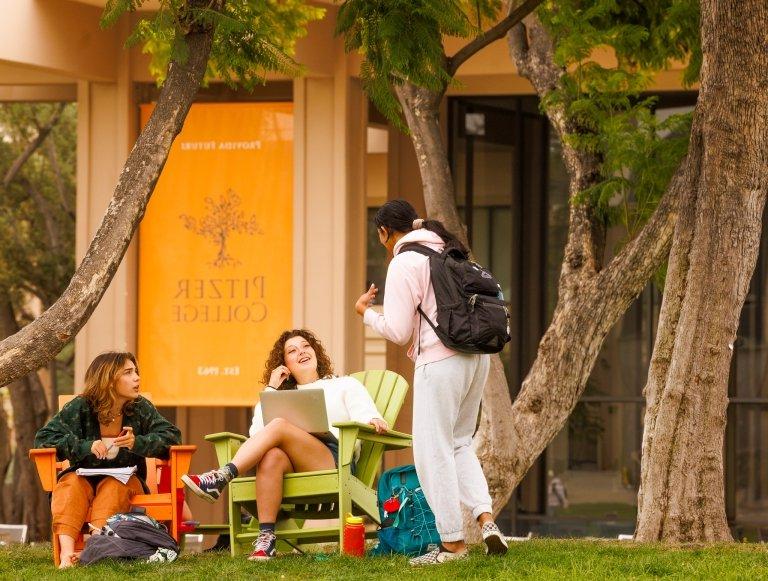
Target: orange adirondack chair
x=164, y=503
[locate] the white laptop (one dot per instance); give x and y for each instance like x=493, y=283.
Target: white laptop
x=304, y=408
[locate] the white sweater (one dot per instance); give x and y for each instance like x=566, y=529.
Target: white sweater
x=346, y=400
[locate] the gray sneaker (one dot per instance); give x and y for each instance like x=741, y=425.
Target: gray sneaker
x=495, y=542
x=436, y=557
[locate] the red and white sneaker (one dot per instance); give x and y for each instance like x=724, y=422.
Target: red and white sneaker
x=264, y=547
x=208, y=485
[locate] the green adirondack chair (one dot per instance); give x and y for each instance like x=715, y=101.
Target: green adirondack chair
x=325, y=494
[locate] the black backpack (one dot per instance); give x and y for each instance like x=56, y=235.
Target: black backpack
x=131, y=536
x=471, y=315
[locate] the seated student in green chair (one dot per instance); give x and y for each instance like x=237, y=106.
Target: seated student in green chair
x=297, y=361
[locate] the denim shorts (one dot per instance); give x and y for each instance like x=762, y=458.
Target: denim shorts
x=333, y=446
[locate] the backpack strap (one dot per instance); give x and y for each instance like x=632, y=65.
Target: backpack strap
x=426, y=318
x=420, y=248
x=429, y=253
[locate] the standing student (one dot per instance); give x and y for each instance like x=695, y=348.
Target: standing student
x=448, y=385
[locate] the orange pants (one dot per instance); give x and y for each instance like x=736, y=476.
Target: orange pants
x=74, y=498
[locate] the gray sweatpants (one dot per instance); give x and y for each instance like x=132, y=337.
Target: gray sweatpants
x=446, y=401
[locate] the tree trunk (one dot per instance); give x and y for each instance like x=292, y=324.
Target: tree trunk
x=37, y=343
x=421, y=108
x=6, y=455
x=30, y=411
x=713, y=256
x=583, y=317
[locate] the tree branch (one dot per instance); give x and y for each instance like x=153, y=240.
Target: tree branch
x=491, y=35
x=61, y=187
x=42, y=205
x=32, y=146
x=532, y=49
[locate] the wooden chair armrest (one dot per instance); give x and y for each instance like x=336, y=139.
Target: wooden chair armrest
x=165, y=475
x=45, y=462
x=176, y=451
x=226, y=444
x=369, y=429
x=392, y=440
x=225, y=436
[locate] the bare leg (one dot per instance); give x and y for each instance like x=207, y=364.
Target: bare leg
x=269, y=483
x=305, y=452
x=302, y=451
x=67, y=554
x=456, y=546
x=72, y=497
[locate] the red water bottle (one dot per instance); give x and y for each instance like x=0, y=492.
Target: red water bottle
x=354, y=536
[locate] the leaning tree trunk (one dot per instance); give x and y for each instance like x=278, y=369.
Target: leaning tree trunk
x=37, y=343
x=713, y=256
x=30, y=504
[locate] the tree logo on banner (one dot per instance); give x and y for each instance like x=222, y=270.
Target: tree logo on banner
x=223, y=218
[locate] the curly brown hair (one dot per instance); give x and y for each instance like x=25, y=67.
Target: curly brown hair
x=101, y=383
x=277, y=357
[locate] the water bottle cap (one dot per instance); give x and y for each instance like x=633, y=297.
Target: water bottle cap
x=354, y=520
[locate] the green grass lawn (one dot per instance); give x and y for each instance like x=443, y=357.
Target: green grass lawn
x=536, y=559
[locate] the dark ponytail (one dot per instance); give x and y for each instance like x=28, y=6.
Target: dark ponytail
x=398, y=216
x=451, y=241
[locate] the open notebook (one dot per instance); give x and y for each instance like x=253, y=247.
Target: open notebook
x=121, y=474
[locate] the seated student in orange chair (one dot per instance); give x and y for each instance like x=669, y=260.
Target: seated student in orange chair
x=297, y=361
x=109, y=426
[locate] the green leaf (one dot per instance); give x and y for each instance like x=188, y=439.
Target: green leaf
x=610, y=51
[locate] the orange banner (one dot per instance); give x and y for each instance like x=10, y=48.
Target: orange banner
x=215, y=255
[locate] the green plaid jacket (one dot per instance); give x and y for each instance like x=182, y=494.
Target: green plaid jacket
x=73, y=430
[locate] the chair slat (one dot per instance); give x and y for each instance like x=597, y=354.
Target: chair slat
x=388, y=390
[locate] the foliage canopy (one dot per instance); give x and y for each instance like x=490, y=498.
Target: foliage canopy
x=37, y=221
x=403, y=40
x=251, y=38
x=608, y=110
x=607, y=105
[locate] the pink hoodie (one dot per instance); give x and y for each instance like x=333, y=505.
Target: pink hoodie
x=407, y=287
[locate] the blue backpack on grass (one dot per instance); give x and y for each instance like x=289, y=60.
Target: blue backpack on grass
x=407, y=522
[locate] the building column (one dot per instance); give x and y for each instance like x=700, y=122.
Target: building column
x=107, y=121
x=329, y=212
